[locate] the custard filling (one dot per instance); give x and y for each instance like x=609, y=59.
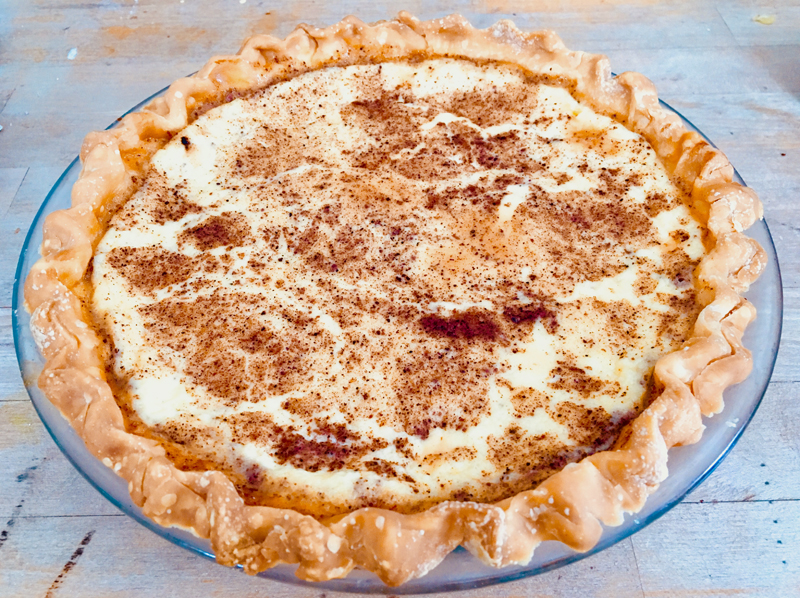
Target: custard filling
x=393, y=285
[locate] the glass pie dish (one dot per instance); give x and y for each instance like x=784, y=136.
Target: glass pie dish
x=688, y=465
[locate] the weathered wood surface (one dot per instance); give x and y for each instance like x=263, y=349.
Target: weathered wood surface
x=738, y=534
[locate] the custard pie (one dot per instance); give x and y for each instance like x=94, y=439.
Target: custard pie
x=362, y=295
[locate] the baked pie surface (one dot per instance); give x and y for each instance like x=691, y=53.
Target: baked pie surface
x=362, y=278
x=330, y=259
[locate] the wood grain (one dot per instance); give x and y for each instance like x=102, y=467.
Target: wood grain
x=14, y=225
x=10, y=180
x=10, y=380
x=736, y=79
x=166, y=570
x=740, y=19
x=738, y=549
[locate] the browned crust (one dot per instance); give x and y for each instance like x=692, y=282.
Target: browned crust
x=570, y=505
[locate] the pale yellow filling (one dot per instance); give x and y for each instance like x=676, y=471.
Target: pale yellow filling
x=162, y=393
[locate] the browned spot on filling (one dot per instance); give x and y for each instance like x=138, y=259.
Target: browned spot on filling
x=462, y=453
x=467, y=325
x=679, y=236
x=676, y=324
x=327, y=446
x=182, y=433
x=313, y=455
x=655, y=203
x=173, y=209
x=579, y=219
x=619, y=319
x=222, y=373
x=442, y=387
x=488, y=195
x=526, y=402
x=581, y=234
x=274, y=151
x=530, y=314
x=386, y=118
x=455, y=148
x=444, y=152
x=679, y=267
x=645, y=284
x=588, y=427
x=165, y=203
x=493, y=107
x=231, y=350
x=574, y=379
x=387, y=469
x=528, y=459
x=229, y=229
x=149, y=268
x=531, y=457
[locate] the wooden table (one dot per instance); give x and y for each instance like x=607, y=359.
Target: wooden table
x=70, y=66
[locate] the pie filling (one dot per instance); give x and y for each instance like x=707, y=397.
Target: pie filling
x=394, y=285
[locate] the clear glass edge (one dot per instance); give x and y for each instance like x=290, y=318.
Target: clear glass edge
x=370, y=583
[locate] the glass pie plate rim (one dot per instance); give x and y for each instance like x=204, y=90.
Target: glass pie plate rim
x=459, y=570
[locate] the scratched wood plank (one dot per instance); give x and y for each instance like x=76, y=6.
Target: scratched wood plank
x=36, y=474
x=785, y=232
x=124, y=559
x=91, y=72
x=137, y=31
x=123, y=30
x=722, y=550
x=603, y=27
x=94, y=87
x=758, y=133
x=25, y=136
x=5, y=94
x=778, y=63
x=787, y=367
x=709, y=71
x=122, y=33
x=10, y=379
x=16, y=221
x=10, y=180
x=764, y=465
x=741, y=20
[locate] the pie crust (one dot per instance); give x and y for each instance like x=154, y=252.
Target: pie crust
x=570, y=505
